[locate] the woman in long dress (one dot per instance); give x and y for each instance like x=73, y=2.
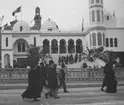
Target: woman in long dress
x=111, y=81
x=34, y=84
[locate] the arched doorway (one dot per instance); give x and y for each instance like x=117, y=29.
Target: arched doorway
x=20, y=46
x=62, y=46
x=6, y=60
x=54, y=46
x=46, y=47
x=20, y=53
x=79, y=48
x=71, y=46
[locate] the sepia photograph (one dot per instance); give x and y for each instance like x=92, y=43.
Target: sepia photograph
x=61, y=52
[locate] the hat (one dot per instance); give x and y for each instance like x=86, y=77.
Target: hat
x=51, y=62
x=63, y=65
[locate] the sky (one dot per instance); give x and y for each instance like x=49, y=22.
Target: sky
x=67, y=14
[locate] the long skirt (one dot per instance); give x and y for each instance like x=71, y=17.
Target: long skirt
x=112, y=86
x=28, y=93
x=32, y=92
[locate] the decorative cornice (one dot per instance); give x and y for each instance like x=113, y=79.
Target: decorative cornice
x=97, y=28
x=20, y=54
x=96, y=5
x=113, y=28
x=20, y=35
x=7, y=49
x=65, y=34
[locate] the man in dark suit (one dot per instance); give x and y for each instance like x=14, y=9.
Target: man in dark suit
x=62, y=78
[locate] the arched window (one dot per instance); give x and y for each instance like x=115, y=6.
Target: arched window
x=19, y=47
x=21, y=28
x=90, y=14
x=71, y=46
x=93, y=16
x=107, y=42
x=94, y=39
x=102, y=16
x=98, y=15
x=46, y=46
x=54, y=46
x=6, y=42
x=111, y=42
x=99, y=36
x=92, y=1
x=62, y=46
x=34, y=41
x=97, y=1
x=115, y=42
x=107, y=17
x=103, y=39
x=79, y=47
x=23, y=47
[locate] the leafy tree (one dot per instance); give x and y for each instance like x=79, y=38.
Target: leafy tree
x=36, y=53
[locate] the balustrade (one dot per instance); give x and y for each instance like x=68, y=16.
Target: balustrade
x=18, y=75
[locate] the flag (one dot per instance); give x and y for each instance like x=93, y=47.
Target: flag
x=16, y=11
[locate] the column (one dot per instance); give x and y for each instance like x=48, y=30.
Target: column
x=58, y=49
x=50, y=48
x=74, y=47
x=96, y=40
x=67, y=49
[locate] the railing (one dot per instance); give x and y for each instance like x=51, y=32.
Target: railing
x=19, y=75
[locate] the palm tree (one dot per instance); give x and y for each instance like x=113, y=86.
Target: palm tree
x=92, y=54
x=89, y=54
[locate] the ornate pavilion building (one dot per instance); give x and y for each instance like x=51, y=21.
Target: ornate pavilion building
x=102, y=31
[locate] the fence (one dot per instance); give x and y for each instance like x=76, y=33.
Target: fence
x=20, y=75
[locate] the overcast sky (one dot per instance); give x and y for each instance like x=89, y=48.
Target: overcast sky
x=67, y=14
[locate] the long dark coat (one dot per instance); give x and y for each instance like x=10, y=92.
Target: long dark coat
x=52, y=77
x=110, y=79
x=34, y=84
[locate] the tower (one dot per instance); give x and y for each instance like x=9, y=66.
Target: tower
x=97, y=28
x=37, y=18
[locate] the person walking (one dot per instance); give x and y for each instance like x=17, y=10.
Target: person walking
x=61, y=75
x=52, y=80
x=34, y=83
x=45, y=66
x=104, y=83
x=109, y=80
x=111, y=86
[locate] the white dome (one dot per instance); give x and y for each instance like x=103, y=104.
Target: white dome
x=49, y=25
x=25, y=26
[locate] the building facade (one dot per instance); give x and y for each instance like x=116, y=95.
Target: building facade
x=102, y=31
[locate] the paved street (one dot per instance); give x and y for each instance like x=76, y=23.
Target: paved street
x=79, y=96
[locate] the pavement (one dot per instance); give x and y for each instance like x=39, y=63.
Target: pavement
x=76, y=96
x=70, y=84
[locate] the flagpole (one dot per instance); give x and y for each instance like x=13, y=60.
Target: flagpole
x=21, y=14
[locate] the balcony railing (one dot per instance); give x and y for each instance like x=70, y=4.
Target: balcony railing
x=20, y=75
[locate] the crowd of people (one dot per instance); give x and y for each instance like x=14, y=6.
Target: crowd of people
x=44, y=75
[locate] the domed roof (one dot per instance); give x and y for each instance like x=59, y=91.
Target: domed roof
x=49, y=24
x=7, y=28
x=21, y=26
x=35, y=27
